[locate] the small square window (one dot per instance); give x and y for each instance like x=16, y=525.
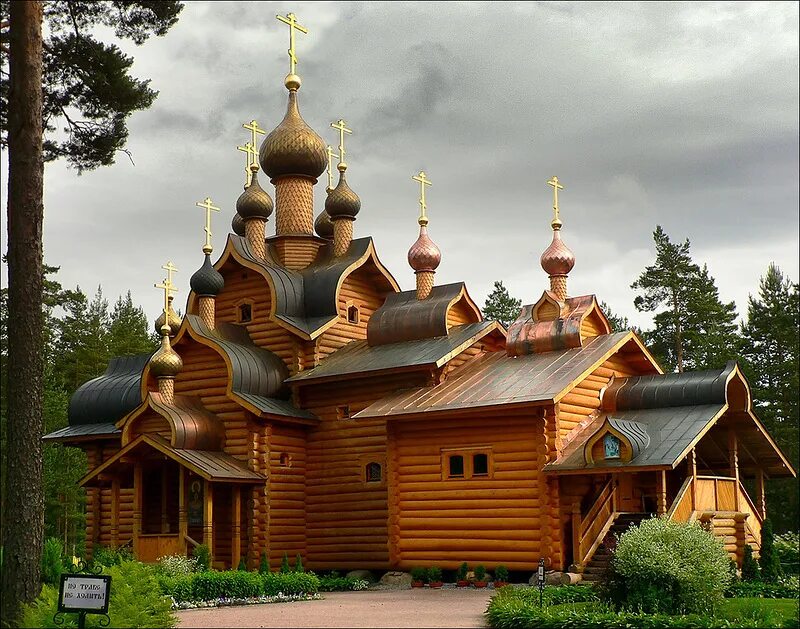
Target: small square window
x=372, y=473
x=343, y=412
x=456, y=466
x=352, y=314
x=480, y=464
x=245, y=313
x=285, y=459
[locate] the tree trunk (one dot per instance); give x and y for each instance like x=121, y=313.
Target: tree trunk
x=24, y=509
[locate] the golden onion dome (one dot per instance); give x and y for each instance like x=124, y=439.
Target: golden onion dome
x=293, y=148
x=174, y=320
x=254, y=202
x=557, y=259
x=342, y=202
x=165, y=363
x=424, y=255
x=323, y=226
x=237, y=225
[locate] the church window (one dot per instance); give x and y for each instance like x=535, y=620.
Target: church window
x=285, y=459
x=456, y=466
x=343, y=412
x=353, y=314
x=480, y=464
x=611, y=447
x=372, y=473
x=245, y=313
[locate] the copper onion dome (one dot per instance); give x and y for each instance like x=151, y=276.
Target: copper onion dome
x=254, y=202
x=207, y=281
x=293, y=148
x=165, y=363
x=237, y=224
x=557, y=259
x=323, y=226
x=424, y=255
x=174, y=320
x=342, y=202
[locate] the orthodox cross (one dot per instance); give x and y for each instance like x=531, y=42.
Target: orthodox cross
x=209, y=207
x=255, y=131
x=291, y=20
x=556, y=187
x=423, y=181
x=251, y=155
x=170, y=268
x=331, y=155
x=168, y=288
x=342, y=128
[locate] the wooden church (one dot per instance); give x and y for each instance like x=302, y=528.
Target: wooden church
x=305, y=404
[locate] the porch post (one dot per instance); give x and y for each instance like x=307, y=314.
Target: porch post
x=183, y=524
x=761, y=500
x=576, y=534
x=164, y=489
x=137, y=506
x=208, y=518
x=693, y=472
x=733, y=450
x=115, y=512
x=236, y=525
x=661, y=492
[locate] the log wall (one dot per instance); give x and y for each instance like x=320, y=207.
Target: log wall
x=501, y=519
x=287, y=493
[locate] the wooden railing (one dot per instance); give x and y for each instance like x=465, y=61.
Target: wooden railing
x=754, y=519
x=153, y=546
x=682, y=508
x=716, y=493
x=588, y=531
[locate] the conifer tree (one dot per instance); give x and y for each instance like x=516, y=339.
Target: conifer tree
x=500, y=306
x=768, y=558
x=618, y=323
x=129, y=330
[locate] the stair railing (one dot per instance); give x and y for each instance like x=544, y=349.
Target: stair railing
x=588, y=532
x=683, y=507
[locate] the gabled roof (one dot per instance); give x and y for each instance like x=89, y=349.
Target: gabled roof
x=358, y=358
x=498, y=379
x=109, y=397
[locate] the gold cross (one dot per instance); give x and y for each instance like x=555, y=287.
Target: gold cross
x=291, y=20
x=342, y=127
x=168, y=288
x=423, y=181
x=255, y=131
x=209, y=207
x=331, y=155
x=170, y=268
x=556, y=187
x=251, y=155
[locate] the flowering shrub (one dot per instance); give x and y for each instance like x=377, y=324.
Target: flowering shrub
x=177, y=565
x=670, y=567
x=333, y=582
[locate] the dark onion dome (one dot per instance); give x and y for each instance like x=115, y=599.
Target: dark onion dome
x=424, y=255
x=293, y=148
x=174, y=320
x=342, y=202
x=254, y=202
x=237, y=225
x=557, y=259
x=323, y=226
x=165, y=363
x=207, y=281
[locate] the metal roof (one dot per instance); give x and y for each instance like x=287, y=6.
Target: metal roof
x=109, y=397
x=497, y=378
x=358, y=357
x=84, y=431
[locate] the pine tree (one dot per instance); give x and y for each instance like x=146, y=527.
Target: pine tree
x=298, y=563
x=285, y=567
x=618, y=323
x=771, y=361
x=129, y=330
x=750, y=569
x=500, y=306
x=768, y=558
x=263, y=566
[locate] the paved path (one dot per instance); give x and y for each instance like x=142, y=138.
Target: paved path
x=388, y=608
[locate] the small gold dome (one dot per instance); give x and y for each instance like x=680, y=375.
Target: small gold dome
x=424, y=255
x=237, y=225
x=165, y=363
x=174, y=320
x=342, y=202
x=254, y=202
x=293, y=148
x=323, y=226
x=557, y=259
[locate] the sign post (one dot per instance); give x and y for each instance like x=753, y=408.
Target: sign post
x=83, y=594
x=540, y=580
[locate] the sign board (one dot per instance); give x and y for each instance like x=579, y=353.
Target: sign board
x=540, y=574
x=84, y=593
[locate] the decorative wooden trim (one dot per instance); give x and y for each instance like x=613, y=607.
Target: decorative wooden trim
x=467, y=453
x=208, y=517
x=236, y=526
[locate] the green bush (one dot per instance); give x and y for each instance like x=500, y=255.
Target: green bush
x=285, y=568
x=179, y=587
x=242, y=565
x=52, y=562
x=461, y=574
x=202, y=555
x=177, y=565
x=136, y=601
x=209, y=586
x=480, y=572
x=669, y=567
x=787, y=547
x=290, y=583
x=419, y=574
x=334, y=582
x=298, y=563
x=263, y=566
x=750, y=569
x=105, y=556
x=501, y=573
x=784, y=588
x=434, y=574
x=768, y=558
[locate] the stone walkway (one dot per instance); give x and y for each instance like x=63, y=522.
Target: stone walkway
x=369, y=608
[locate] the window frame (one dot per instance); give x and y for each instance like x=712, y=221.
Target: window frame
x=366, y=459
x=467, y=453
x=245, y=302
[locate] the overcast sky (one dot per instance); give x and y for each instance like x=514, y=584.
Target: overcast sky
x=683, y=115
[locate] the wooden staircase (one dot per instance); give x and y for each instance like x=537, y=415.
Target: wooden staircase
x=598, y=563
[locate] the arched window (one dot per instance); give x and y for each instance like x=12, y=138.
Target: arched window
x=611, y=446
x=352, y=314
x=285, y=459
x=372, y=472
x=245, y=313
x=480, y=464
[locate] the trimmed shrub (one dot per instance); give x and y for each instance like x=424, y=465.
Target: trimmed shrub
x=668, y=567
x=750, y=568
x=178, y=587
x=290, y=583
x=298, y=563
x=787, y=548
x=768, y=558
x=334, y=582
x=52, y=563
x=202, y=555
x=501, y=574
x=263, y=566
x=208, y=586
x=285, y=568
x=461, y=574
x=434, y=574
x=419, y=574
x=480, y=572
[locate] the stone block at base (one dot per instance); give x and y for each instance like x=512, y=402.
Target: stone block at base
x=364, y=575
x=558, y=578
x=397, y=579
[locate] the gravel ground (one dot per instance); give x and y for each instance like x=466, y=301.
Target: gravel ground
x=368, y=608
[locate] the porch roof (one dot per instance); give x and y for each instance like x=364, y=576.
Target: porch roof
x=212, y=466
